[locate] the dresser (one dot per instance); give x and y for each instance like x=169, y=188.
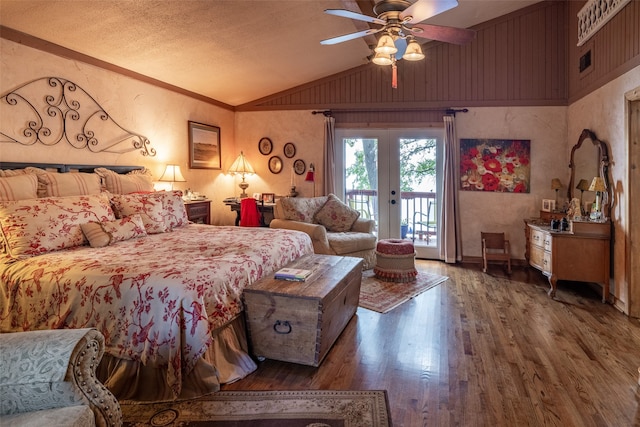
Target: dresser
x=580, y=254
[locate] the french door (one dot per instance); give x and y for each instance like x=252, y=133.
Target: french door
x=394, y=176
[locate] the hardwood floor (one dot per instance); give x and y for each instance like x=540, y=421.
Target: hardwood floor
x=484, y=350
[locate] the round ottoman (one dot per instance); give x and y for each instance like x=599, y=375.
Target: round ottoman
x=395, y=261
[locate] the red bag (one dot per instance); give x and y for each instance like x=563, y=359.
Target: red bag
x=249, y=214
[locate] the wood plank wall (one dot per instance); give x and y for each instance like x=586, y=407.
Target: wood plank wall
x=615, y=50
x=526, y=58
x=517, y=59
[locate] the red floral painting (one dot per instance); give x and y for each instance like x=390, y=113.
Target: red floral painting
x=500, y=165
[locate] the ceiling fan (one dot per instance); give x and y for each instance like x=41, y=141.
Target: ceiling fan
x=400, y=24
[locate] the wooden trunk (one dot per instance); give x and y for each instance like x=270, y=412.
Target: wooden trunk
x=299, y=321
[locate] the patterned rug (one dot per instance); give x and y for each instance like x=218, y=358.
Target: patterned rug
x=381, y=296
x=320, y=408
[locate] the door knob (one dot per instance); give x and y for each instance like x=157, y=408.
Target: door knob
x=393, y=201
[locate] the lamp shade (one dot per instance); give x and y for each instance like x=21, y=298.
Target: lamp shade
x=583, y=185
x=311, y=174
x=382, y=59
x=241, y=166
x=556, y=184
x=413, y=52
x=172, y=174
x=386, y=45
x=597, y=184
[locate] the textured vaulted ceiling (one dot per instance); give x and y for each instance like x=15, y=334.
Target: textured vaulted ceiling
x=233, y=51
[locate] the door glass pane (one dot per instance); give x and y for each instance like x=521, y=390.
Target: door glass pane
x=361, y=176
x=418, y=169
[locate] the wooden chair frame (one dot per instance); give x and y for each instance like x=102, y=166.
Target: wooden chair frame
x=495, y=247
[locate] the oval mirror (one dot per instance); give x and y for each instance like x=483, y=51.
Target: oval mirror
x=589, y=158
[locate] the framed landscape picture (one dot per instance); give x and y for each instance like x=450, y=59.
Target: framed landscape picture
x=204, y=146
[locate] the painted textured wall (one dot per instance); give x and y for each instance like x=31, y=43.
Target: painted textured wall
x=483, y=211
x=158, y=114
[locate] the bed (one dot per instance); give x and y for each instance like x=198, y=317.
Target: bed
x=165, y=293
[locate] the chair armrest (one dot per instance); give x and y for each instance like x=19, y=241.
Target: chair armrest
x=363, y=225
x=317, y=233
x=52, y=369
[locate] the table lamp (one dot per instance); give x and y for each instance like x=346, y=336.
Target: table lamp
x=597, y=185
x=583, y=186
x=241, y=166
x=172, y=174
x=311, y=177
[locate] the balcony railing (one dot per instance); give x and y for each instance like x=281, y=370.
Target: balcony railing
x=418, y=210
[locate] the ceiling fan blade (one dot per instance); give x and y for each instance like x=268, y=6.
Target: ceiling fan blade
x=401, y=45
x=443, y=34
x=347, y=37
x=353, y=15
x=423, y=9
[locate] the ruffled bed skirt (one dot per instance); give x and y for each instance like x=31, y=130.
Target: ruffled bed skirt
x=227, y=360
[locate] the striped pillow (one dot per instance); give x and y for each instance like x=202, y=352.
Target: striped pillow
x=106, y=233
x=116, y=183
x=18, y=187
x=53, y=184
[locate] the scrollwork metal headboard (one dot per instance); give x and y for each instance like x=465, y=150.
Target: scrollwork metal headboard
x=57, y=109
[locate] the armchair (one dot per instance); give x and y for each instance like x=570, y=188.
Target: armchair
x=349, y=236
x=48, y=378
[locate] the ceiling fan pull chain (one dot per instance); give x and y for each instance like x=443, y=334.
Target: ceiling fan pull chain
x=394, y=75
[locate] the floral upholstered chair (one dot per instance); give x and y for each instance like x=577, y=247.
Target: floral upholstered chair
x=334, y=227
x=48, y=378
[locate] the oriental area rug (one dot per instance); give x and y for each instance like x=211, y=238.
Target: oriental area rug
x=317, y=408
x=381, y=296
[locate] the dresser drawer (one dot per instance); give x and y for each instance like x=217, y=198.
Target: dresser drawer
x=536, y=257
x=540, y=239
x=540, y=259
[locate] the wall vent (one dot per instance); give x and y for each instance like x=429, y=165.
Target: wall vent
x=585, y=61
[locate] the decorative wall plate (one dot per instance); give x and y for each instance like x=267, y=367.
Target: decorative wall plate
x=299, y=166
x=289, y=150
x=265, y=146
x=275, y=164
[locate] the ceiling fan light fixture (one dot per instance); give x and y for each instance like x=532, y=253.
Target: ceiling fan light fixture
x=386, y=45
x=382, y=59
x=413, y=52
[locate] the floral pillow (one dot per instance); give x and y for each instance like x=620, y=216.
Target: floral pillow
x=116, y=183
x=18, y=187
x=175, y=214
x=53, y=184
x=301, y=208
x=36, y=226
x=148, y=205
x=336, y=216
x=102, y=234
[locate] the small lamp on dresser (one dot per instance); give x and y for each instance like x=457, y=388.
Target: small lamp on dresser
x=597, y=185
x=583, y=186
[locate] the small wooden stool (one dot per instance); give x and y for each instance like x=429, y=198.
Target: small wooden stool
x=395, y=261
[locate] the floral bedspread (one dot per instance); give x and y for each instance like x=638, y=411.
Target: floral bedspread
x=156, y=299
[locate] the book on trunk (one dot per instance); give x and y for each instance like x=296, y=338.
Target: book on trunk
x=296, y=274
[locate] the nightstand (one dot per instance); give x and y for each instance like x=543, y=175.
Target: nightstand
x=199, y=211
